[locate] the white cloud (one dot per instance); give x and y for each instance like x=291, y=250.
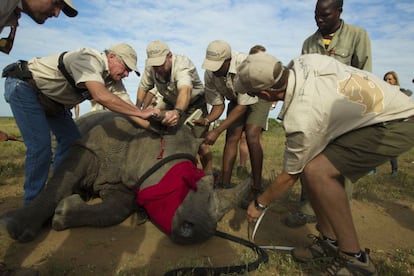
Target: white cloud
x=188, y=26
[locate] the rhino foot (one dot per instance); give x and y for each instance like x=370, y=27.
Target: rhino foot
x=64, y=212
x=20, y=228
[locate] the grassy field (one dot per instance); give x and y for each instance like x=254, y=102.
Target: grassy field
x=371, y=190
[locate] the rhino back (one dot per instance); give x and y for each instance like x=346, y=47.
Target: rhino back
x=126, y=151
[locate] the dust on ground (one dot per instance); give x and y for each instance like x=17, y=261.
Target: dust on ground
x=132, y=249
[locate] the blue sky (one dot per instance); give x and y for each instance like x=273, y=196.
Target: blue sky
x=188, y=26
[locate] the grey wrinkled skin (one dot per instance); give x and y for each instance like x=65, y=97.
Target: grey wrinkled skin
x=106, y=163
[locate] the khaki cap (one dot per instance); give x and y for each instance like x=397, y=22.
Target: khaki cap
x=217, y=52
x=127, y=54
x=157, y=51
x=69, y=9
x=258, y=72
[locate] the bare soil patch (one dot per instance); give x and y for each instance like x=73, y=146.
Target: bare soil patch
x=132, y=249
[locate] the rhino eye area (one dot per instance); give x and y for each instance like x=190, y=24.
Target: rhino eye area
x=186, y=229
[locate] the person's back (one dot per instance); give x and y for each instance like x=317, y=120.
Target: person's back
x=349, y=45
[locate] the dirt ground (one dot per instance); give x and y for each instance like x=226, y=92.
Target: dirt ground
x=132, y=249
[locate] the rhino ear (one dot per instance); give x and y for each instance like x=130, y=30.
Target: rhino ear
x=223, y=200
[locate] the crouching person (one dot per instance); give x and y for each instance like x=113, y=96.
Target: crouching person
x=339, y=122
x=42, y=91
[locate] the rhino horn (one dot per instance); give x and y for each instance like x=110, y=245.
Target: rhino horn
x=223, y=200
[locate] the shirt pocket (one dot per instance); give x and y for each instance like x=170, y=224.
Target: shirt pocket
x=343, y=55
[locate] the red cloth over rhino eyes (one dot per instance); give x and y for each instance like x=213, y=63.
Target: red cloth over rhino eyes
x=163, y=199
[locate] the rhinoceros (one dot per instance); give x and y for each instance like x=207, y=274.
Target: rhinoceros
x=107, y=162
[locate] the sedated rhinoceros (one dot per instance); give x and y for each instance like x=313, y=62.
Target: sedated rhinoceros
x=106, y=162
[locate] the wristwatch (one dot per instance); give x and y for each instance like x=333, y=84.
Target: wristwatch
x=259, y=206
x=179, y=111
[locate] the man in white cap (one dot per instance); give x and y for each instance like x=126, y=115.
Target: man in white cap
x=38, y=10
x=42, y=91
x=244, y=112
x=176, y=79
x=340, y=121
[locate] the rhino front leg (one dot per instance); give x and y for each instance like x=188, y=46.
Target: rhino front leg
x=78, y=169
x=116, y=206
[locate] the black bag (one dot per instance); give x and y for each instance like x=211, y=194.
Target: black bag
x=20, y=71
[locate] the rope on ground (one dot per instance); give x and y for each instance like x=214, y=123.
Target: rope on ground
x=262, y=258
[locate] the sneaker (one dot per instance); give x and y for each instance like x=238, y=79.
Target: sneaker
x=242, y=172
x=348, y=265
x=298, y=219
x=319, y=250
x=253, y=194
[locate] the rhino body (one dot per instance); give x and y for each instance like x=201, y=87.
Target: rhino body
x=112, y=154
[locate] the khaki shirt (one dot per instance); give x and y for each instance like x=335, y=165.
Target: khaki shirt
x=350, y=45
x=9, y=13
x=183, y=72
x=220, y=88
x=325, y=99
x=82, y=64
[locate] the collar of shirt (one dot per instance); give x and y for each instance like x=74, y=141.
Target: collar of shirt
x=105, y=74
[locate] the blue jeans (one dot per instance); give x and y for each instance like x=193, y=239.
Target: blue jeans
x=35, y=128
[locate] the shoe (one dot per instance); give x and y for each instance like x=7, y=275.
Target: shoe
x=298, y=219
x=373, y=171
x=348, y=265
x=394, y=173
x=319, y=250
x=253, y=194
x=242, y=172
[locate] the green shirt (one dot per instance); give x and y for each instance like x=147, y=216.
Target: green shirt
x=350, y=45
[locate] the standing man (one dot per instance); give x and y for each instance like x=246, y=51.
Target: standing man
x=243, y=148
x=344, y=134
x=346, y=43
x=38, y=10
x=42, y=91
x=176, y=79
x=244, y=112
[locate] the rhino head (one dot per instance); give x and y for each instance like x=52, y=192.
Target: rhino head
x=196, y=219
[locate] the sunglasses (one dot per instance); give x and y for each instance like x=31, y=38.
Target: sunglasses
x=6, y=43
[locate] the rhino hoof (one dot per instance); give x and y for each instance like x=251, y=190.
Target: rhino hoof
x=19, y=232
x=63, y=210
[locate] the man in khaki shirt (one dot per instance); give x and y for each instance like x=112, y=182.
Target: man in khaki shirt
x=340, y=122
x=38, y=10
x=176, y=79
x=42, y=91
x=244, y=112
x=346, y=43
